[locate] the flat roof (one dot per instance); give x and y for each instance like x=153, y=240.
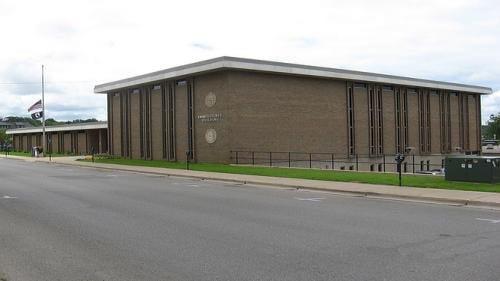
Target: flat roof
x=59, y=128
x=233, y=63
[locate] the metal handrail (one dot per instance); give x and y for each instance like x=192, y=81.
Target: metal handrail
x=377, y=163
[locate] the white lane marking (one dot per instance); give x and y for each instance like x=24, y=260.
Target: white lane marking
x=488, y=220
x=8, y=197
x=193, y=185
x=318, y=199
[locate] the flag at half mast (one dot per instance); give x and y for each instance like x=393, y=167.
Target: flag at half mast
x=35, y=106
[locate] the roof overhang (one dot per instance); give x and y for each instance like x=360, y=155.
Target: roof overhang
x=233, y=63
x=59, y=128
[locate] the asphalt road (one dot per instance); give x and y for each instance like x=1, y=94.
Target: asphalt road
x=69, y=223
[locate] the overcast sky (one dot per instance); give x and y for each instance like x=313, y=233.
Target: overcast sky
x=83, y=43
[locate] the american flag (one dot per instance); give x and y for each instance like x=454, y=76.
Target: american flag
x=35, y=106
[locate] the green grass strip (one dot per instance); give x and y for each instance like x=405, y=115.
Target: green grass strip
x=28, y=154
x=425, y=181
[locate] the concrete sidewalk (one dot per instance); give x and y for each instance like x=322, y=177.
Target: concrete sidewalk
x=453, y=197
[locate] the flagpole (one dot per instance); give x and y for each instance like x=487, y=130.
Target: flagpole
x=44, y=145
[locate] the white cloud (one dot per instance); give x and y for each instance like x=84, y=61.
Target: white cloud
x=490, y=104
x=101, y=41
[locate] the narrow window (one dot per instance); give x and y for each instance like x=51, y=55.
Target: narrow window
x=466, y=123
x=190, y=120
x=428, y=117
x=424, y=121
x=444, y=107
x=147, y=124
x=397, y=105
x=350, y=120
x=380, y=122
x=372, y=121
x=442, y=128
x=164, y=121
x=122, y=125
x=141, y=123
x=405, y=120
x=448, y=116
x=171, y=121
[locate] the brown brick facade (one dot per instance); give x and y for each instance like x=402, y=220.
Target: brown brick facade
x=216, y=113
x=79, y=142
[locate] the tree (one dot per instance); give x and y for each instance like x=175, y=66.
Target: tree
x=4, y=138
x=29, y=120
x=51, y=122
x=493, y=127
x=82, y=121
x=48, y=121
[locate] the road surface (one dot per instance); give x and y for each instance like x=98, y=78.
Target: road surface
x=69, y=223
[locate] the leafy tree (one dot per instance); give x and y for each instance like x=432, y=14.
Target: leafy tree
x=29, y=120
x=48, y=121
x=4, y=138
x=82, y=121
x=51, y=122
x=492, y=129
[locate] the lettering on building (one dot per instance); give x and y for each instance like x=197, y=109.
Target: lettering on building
x=210, y=117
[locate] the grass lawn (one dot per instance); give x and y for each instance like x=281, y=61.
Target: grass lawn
x=28, y=154
x=425, y=181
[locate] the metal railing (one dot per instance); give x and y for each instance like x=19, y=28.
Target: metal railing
x=332, y=161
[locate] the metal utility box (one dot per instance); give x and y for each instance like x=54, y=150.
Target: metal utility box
x=473, y=168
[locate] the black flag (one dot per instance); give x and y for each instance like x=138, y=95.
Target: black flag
x=37, y=115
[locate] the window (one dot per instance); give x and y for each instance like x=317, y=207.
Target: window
x=401, y=119
x=190, y=120
x=350, y=120
x=424, y=121
x=375, y=116
x=397, y=118
x=146, y=123
x=372, y=119
x=445, y=122
x=380, y=122
x=171, y=122
x=463, y=116
x=405, y=121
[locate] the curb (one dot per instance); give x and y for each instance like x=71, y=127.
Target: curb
x=369, y=194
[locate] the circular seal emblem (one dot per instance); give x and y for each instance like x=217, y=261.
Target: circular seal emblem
x=210, y=135
x=210, y=99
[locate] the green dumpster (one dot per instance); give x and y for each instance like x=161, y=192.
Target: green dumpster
x=473, y=168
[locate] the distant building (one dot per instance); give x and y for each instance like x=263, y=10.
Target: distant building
x=14, y=125
x=76, y=138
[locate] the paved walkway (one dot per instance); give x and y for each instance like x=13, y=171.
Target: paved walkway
x=455, y=197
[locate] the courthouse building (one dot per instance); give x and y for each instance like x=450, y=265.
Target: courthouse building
x=75, y=138
x=229, y=110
